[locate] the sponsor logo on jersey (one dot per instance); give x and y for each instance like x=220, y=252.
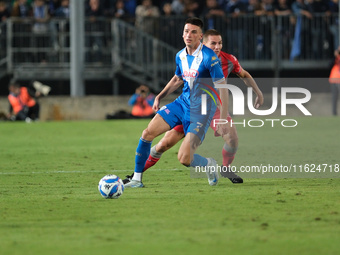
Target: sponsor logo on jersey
x=190, y=74
x=198, y=127
x=164, y=108
x=216, y=62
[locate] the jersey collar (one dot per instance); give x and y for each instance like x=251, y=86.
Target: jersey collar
x=197, y=51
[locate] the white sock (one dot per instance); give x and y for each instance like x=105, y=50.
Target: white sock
x=137, y=177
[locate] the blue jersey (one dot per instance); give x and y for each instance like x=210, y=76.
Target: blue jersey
x=199, y=72
x=203, y=68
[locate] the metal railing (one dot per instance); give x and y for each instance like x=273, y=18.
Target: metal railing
x=251, y=37
x=51, y=43
x=139, y=52
x=113, y=46
x=3, y=47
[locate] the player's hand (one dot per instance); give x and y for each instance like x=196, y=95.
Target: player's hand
x=155, y=106
x=259, y=101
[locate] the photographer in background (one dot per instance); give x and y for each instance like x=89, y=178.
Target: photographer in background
x=334, y=80
x=142, y=102
x=23, y=106
x=23, y=100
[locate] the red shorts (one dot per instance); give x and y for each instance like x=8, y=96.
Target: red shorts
x=179, y=128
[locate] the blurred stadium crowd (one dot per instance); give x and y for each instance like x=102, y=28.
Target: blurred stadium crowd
x=136, y=8
x=251, y=29
x=247, y=25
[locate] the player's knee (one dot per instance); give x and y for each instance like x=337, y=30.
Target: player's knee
x=162, y=146
x=147, y=135
x=232, y=141
x=184, y=159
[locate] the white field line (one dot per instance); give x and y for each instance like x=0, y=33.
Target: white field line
x=90, y=171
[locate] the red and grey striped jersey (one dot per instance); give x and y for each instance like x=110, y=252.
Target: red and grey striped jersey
x=230, y=64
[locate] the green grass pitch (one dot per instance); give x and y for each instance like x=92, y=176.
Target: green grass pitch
x=50, y=204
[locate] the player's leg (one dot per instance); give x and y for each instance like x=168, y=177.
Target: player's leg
x=156, y=127
x=196, y=126
x=231, y=144
x=170, y=138
x=229, y=136
x=229, y=149
x=187, y=150
x=166, y=118
x=188, y=157
x=228, y=153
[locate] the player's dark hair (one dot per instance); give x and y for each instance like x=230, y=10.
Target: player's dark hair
x=210, y=32
x=195, y=21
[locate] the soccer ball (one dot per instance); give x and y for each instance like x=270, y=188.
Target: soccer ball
x=111, y=186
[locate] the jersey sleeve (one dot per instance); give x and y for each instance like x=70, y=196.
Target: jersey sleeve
x=214, y=65
x=236, y=65
x=178, y=71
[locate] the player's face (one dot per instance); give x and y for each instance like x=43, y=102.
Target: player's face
x=214, y=42
x=192, y=35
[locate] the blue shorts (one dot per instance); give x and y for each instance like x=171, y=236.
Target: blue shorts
x=177, y=113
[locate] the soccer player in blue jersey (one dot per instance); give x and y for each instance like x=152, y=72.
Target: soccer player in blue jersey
x=230, y=64
x=199, y=69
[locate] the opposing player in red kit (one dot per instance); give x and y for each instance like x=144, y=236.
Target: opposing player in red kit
x=230, y=64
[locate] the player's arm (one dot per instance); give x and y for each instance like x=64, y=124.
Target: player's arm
x=216, y=72
x=220, y=83
x=224, y=95
x=250, y=82
x=172, y=85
